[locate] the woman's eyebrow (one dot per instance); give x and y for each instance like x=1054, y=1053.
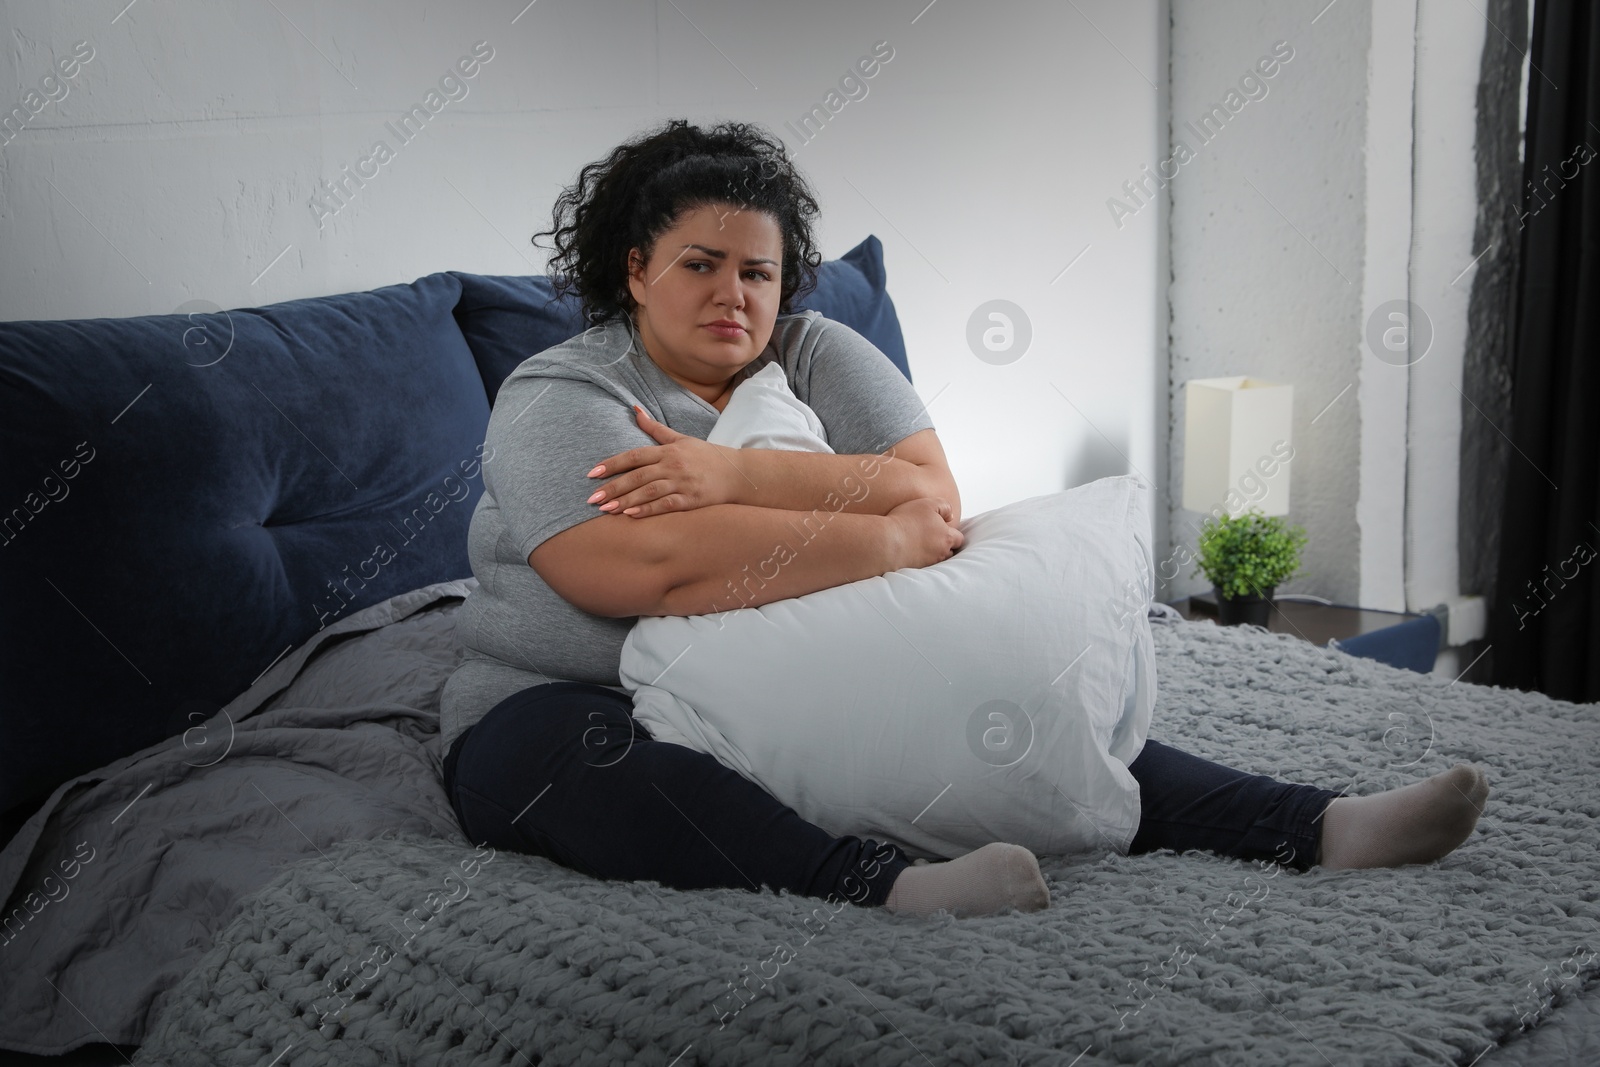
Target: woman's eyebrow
x=719, y=254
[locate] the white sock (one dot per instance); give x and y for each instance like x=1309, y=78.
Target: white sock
x=991, y=879
x=1418, y=823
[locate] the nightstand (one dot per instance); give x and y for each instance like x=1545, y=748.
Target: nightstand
x=1397, y=638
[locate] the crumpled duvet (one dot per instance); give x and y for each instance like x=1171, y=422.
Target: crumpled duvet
x=123, y=878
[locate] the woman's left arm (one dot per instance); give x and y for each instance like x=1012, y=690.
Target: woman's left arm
x=684, y=472
x=868, y=484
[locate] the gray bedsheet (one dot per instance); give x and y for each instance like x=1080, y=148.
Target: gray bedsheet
x=333, y=764
x=134, y=868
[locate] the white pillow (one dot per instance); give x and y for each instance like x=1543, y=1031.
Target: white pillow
x=996, y=696
x=763, y=412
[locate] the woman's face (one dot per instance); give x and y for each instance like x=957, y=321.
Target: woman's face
x=716, y=264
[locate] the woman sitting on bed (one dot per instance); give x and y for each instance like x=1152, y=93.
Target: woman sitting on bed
x=686, y=248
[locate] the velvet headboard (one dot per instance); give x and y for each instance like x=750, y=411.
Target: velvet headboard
x=185, y=498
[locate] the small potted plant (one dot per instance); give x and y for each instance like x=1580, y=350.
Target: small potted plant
x=1246, y=556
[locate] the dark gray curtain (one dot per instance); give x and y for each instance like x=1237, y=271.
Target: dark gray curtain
x=1486, y=366
x=1544, y=621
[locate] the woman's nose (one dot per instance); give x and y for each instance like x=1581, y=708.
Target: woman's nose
x=730, y=291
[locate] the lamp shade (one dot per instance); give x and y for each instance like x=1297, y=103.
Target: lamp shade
x=1236, y=445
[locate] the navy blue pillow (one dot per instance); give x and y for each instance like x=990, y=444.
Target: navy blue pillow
x=507, y=318
x=853, y=290
x=185, y=498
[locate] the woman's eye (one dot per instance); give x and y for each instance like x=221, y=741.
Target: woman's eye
x=763, y=275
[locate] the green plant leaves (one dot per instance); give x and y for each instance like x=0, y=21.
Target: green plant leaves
x=1244, y=554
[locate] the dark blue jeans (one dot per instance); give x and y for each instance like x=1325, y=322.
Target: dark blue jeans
x=563, y=770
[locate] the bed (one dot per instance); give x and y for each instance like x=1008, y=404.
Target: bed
x=229, y=843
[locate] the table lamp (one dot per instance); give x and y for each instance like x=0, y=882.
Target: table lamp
x=1236, y=445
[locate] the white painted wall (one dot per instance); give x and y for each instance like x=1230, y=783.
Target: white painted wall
x=1268, y=255
x=1349, y=187
x=1449, y=51
x=1383, y=383
x=182, y=162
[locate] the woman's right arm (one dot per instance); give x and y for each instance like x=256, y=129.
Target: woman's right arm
x=728, y=556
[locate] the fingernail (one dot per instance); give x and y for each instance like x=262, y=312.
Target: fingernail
x=598, y=470
x=608, y=505
x=598, y=493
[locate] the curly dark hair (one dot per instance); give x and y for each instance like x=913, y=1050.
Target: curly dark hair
x=646, y=185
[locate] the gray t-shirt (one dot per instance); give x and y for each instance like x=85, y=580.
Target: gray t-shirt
x=565, y=409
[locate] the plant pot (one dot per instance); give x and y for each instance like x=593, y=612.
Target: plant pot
x=1245, y=610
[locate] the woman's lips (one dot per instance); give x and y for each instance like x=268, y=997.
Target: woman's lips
x=726, y=331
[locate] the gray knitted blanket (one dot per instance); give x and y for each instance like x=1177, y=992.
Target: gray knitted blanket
x=408, y=950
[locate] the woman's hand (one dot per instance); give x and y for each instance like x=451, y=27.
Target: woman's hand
x=680, y=474
x=924, y=533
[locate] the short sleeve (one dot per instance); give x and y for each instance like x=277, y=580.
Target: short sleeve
x=863, y=400
x=544, y=436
